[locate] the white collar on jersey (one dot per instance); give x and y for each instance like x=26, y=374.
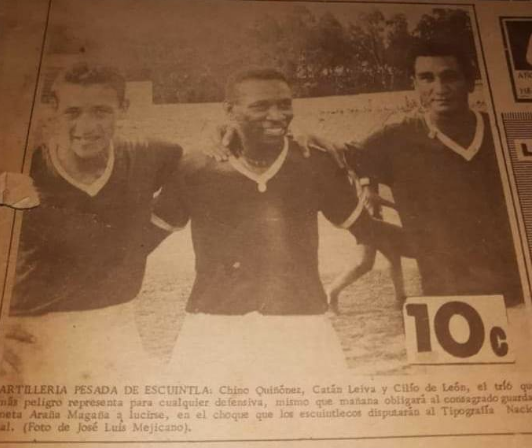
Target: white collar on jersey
x=466, y=153
x=92, y=189
x=263, y=178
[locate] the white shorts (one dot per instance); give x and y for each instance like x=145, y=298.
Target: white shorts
x=231, y=348
x=81, y=346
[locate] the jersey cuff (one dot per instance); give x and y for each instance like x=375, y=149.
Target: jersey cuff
x=355, y=215
x=162, y=224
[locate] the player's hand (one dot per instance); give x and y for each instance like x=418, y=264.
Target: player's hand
x=373, y=201
x=370, y=199
x=18, y=191
x=308, y=141
x=220, y=138
x=14, y=335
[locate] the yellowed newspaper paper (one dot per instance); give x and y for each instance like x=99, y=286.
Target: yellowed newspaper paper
x=276, y=223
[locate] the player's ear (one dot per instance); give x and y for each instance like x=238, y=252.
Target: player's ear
x=471, y=84
x=413, y=81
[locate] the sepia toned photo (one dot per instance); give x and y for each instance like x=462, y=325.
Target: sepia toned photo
x=179, y=207
x=217, y=193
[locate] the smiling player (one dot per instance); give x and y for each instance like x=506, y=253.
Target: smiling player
x=257, y=299
x=83, y=251
x=443, y=171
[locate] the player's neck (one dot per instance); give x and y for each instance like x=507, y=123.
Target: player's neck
x=261, y=155
x=460, y=125
x=85, y=171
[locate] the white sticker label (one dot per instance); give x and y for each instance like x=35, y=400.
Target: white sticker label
x=460, y=329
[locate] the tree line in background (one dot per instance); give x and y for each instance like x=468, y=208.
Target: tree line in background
x=321, y=55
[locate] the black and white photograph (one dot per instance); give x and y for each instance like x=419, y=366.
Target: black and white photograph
x=243, y=189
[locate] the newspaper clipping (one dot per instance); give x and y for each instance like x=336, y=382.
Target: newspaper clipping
x=238, y=222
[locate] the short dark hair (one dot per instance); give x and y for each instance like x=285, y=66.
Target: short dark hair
x=251, y=73
x=435, y=48
x=86, y=75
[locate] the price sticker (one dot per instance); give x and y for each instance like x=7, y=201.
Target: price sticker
x=458, y=329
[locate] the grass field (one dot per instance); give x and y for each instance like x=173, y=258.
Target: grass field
x=370, y=324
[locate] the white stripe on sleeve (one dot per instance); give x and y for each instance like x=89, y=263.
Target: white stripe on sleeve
x=355, y=215
x=162, y=224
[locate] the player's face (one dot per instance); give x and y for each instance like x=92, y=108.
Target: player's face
x=442, y=86
x=87, y=118
x=263, y=110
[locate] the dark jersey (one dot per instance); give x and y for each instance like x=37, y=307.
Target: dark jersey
x=452, y=209
x=257, y=246
x=80, y=252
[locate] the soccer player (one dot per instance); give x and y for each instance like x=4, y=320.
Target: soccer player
x=83, y=251
x=442, y=168
x=257, y=300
